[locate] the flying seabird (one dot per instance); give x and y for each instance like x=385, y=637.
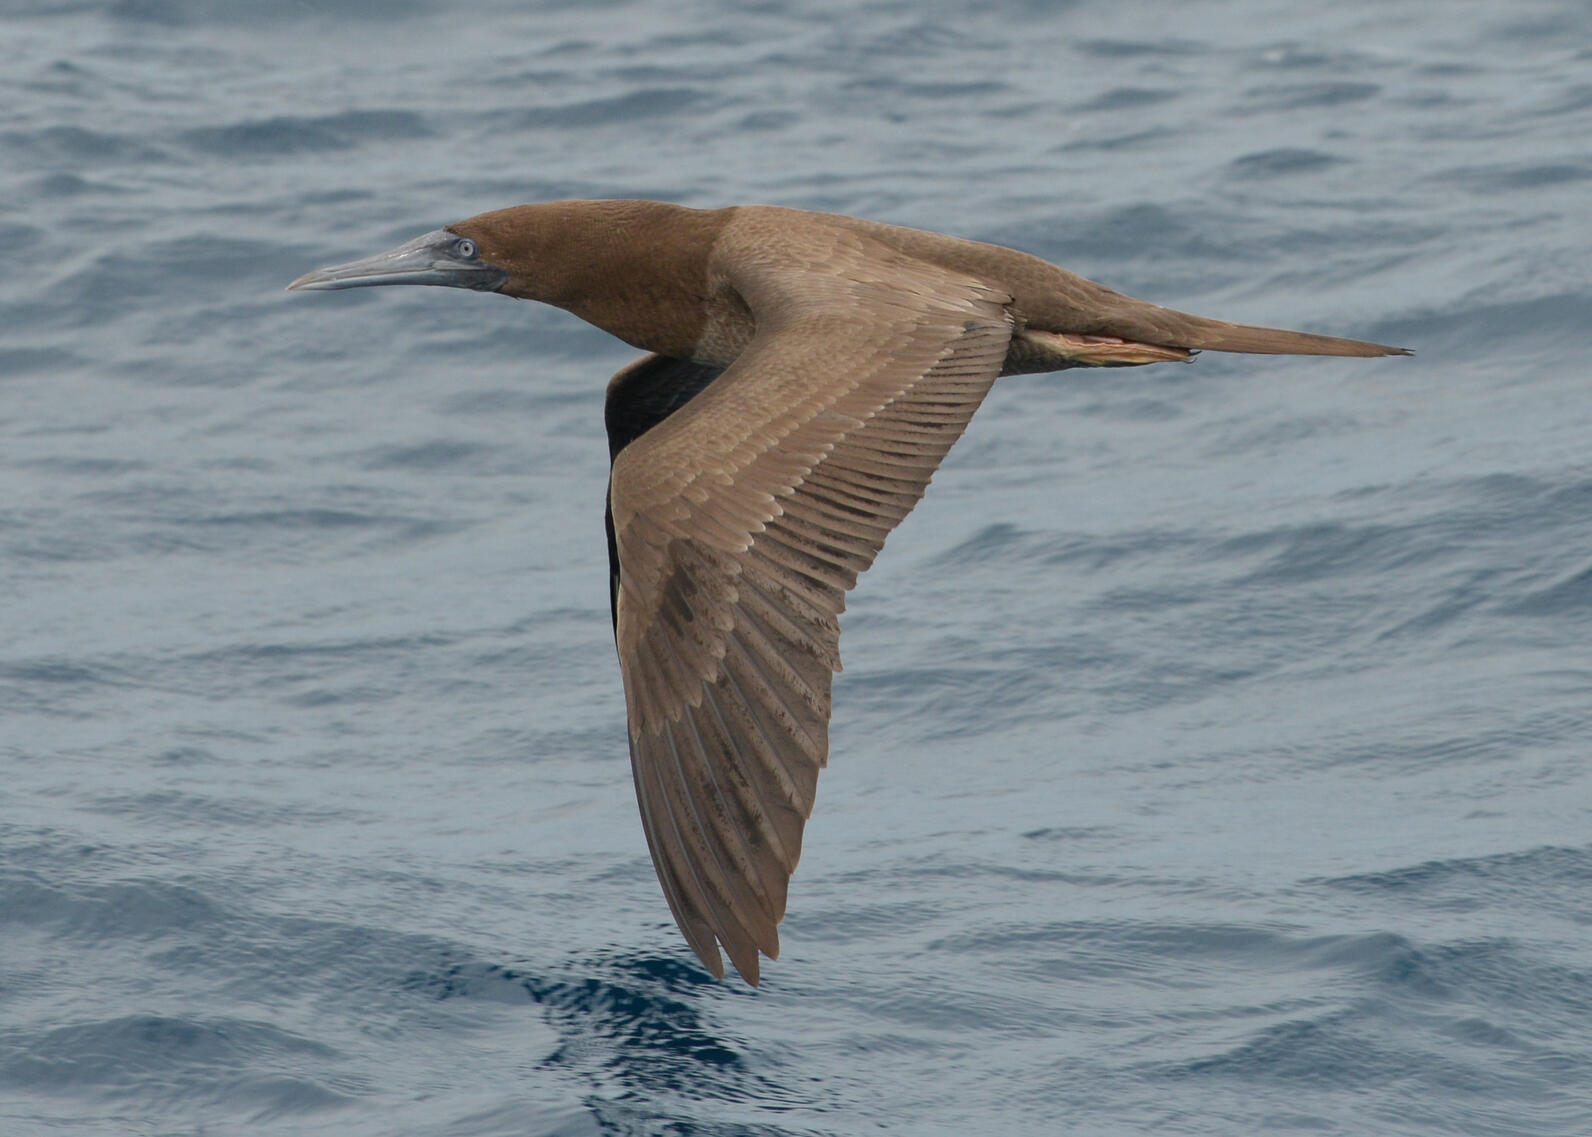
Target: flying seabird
x=806, y=374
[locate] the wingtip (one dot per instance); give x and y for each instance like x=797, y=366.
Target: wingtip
x=713, y=961
x=746, y=960
x=748, y=970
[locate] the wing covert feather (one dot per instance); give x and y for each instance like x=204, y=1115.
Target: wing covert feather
x=740, y=521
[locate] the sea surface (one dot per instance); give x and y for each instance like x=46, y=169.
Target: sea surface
x=1214, y=754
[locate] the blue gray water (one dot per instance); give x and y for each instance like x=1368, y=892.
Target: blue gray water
x=1213, y=751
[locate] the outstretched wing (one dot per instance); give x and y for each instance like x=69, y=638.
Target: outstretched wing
x=740, y=522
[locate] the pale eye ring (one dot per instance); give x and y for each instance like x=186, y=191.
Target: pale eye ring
x=464, y=249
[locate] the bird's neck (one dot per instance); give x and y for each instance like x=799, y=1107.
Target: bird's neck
x=636, y=269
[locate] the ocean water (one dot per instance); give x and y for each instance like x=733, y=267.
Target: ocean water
x=1213, y=751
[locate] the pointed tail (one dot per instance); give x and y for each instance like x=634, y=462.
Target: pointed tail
x=1101, y=311
x=1218, y=335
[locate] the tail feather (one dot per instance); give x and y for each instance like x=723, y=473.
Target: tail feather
x=1218, y=335
x=1100, y=311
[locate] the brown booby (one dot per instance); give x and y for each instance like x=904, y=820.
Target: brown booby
x=807, y=373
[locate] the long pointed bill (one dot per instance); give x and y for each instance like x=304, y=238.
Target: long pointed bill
x=440, y=257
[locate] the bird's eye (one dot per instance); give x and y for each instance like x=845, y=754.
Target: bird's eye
x=464, y=248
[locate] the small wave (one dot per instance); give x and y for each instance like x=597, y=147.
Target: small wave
x=108, y=911
x=918, y=89
x=202, y=13
x=74, y=144
x=1124, y=233
x=438, y=454
x=1302, y=553
x=1329, y=1050
x=640, y=1017
x=1281, y=162
x=167, y=1057
x=1299, y=96
x=72, y=185
x=1133, y=48
x=1542, y=325
x=287, y=134
x=651, y=103
x=1508, y=177
x=1569, y=597
x=1127, y=99
x=1501, y=875
x=193, y=271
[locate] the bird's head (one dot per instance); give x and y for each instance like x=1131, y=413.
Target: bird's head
x=636, y=269
x=556, y=252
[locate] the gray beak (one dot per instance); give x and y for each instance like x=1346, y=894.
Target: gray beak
x=440, y=257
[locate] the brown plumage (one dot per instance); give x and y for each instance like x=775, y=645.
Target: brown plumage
x=808, y=373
